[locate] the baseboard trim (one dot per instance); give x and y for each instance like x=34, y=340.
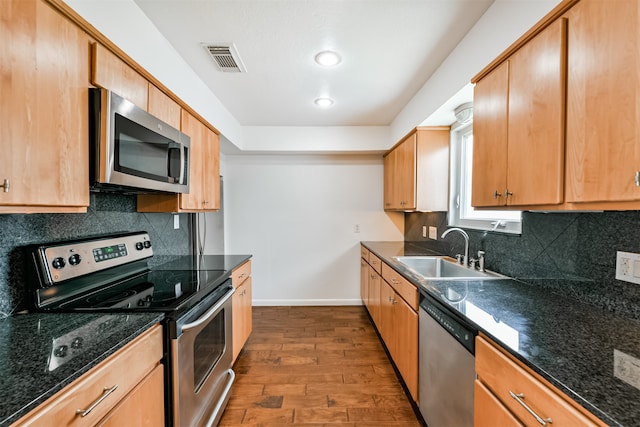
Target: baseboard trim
x=303, y=302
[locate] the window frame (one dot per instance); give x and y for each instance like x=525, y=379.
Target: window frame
x=456, y=216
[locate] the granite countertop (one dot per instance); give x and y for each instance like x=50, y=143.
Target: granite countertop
x=590, y=354
x=29, y=370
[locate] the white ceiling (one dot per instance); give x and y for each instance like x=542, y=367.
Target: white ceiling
x=389, y=49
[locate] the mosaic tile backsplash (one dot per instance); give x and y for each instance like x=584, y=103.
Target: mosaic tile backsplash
x=570, y=253
x=108, y=213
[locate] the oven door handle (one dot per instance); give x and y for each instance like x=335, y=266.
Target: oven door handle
x=211, y=312
x=224, y=398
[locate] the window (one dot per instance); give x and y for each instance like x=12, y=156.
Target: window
x=461, y=213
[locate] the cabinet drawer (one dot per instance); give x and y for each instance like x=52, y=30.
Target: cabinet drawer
x=364, y=253
x=240, y=274
x=402, y=286
x=502, y=375
x=375, y=262
x=124, y=369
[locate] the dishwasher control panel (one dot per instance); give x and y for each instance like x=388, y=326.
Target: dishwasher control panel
x=462, y=333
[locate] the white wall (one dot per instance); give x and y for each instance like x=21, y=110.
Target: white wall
x=297, y=214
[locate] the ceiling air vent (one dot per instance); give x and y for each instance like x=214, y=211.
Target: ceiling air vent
x=226, y=57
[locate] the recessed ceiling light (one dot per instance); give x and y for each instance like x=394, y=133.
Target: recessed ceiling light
x=328, y=58
x=323, y=102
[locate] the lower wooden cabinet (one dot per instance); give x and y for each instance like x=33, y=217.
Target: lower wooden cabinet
x=241, y=306
x=128, y=385
x=393, y=304
x=509, y=393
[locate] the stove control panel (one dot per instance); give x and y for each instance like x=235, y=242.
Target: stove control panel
x=68, y=260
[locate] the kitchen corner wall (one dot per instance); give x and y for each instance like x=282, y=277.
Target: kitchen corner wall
x=107, y=213
x=572, y=254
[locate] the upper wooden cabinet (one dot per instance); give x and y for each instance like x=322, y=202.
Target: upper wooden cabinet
x=204, y=174
x=518, y=130
x=163, y=107
x=44, y=108
x=416, y=171
x=603, y=113
x=110, y=72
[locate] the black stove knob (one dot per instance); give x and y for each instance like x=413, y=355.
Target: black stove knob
x=75, y=259
x=139, y=246
x=58, y=263
x=61, y=351
x=147, y=244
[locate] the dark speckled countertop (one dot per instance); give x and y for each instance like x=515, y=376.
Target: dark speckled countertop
x=590, y=354
x=29, y=371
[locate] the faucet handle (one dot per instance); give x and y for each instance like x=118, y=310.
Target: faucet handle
x=459, y=258
x=481, y=260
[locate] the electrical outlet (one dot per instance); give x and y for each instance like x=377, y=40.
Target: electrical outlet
x=356, y=228
x=433, y=233
x=627, y=368
x=628, y=267
x=176, y=222
x=424, y=231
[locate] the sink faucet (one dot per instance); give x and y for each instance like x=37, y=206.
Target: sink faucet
x=465, y=261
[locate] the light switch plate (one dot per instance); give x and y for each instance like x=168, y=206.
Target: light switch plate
x=176, y=222
x=433, y=233
x=424, y=231
x=628, y=267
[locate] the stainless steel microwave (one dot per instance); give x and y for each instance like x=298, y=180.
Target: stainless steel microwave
x=131, y=150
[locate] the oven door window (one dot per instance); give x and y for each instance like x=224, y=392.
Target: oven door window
x=208, y=348
x=144, y=153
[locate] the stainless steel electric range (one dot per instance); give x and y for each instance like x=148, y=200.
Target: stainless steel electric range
x=111, y=274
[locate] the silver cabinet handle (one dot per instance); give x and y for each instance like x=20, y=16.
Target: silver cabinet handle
x=637, y=180
x=519, y=397
x=496, y=194
x=507, y=193
x=7, y=185
x=394, y=281
x=105, y=393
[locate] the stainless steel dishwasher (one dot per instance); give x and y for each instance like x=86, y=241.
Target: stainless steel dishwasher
x=446, y=371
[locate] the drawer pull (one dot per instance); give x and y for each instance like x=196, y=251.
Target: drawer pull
x=105, y=393
x=519, y=397
x=242, y=276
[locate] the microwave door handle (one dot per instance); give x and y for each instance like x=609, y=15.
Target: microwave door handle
x=174, y=165
x=184, y=160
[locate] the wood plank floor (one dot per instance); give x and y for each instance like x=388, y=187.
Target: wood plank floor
x=315, y=366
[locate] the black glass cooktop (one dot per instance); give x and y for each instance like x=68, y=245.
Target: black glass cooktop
x=146, y=290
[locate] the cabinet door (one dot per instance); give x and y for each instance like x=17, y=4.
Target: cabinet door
x=143, y=407
x=374, y=305
x=204, y=174
x=406, y=173
x=389, y=181
x=406, y=343
x=44, y=108
x=110, y=72
x=488, y=411
x=490, y=133
x=603, y=113
x=163, y=107
x=535, y=155
x=242, y=316
x=387, y=324
x=364, y=282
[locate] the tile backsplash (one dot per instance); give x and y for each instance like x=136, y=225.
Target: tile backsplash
x=570, y=253
x=107, y=213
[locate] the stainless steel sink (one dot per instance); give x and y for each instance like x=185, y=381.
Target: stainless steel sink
x=443, y=268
